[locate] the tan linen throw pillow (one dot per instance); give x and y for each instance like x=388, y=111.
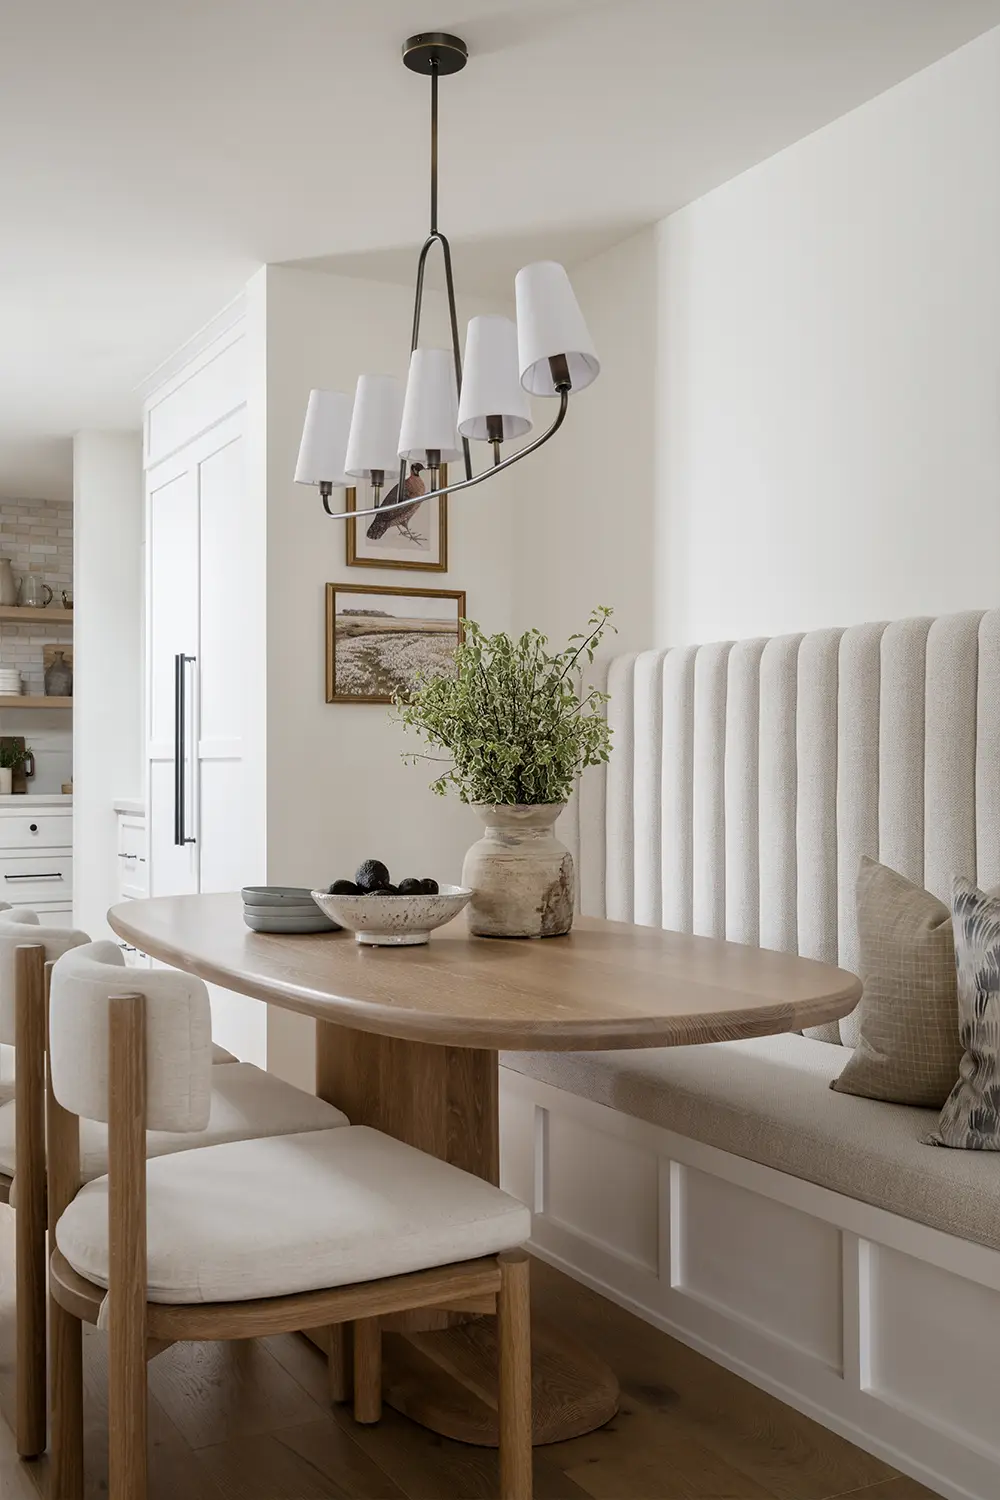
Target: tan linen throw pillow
x=909, y=1050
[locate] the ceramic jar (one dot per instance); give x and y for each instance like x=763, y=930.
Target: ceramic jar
x=521, y=877
x=59, y=677
x=9, y=585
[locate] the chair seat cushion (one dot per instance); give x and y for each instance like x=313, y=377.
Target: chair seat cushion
x=769, y=1100
x=296, y=1213
x=246, y=1102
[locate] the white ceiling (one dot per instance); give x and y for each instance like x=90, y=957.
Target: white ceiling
x=153, y=155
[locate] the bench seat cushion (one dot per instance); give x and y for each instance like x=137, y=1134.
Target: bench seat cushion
x=769, y=1100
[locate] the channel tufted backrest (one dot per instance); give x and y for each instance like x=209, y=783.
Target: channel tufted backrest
x=747, y=779
x=20, y=925
x=178, y=1038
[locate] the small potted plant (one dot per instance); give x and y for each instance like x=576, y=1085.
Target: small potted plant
x=13, y=759
x=518, y=730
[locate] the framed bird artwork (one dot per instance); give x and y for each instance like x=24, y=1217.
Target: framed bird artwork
x=415, y=536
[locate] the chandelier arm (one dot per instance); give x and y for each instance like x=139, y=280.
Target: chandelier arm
x=453, y=315
x=465, y=484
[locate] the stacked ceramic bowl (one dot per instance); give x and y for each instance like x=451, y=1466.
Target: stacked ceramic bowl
x=283, y=908
x=10, y=682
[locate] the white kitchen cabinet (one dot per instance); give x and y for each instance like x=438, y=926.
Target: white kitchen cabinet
x=36, y=857
x=133, y=874
x=204, y=644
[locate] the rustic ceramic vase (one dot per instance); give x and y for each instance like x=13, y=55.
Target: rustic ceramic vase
x=59, y=677
x=9, y=585
x=520, y=875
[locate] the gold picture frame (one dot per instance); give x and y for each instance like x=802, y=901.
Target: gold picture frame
x=360, y=665
x=396, y=548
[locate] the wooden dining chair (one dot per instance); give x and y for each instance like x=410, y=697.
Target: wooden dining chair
x=357, y=1225
x=245, y=1102
x=23, y=917
x=22, y=1026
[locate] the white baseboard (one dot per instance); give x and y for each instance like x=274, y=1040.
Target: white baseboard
x=885, y=1331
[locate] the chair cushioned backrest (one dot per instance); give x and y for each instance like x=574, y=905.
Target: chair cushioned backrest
x=178, y=1038
x=748, y=778
x=19, y=926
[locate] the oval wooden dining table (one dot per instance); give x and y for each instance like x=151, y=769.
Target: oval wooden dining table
x=407, y=1041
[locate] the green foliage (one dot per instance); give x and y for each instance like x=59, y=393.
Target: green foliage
x=512, y=719
x=13, y=758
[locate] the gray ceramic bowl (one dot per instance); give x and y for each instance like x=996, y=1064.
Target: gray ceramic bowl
x=271, y=920
x=283, y=913
x=276, y=895
x=394, y=921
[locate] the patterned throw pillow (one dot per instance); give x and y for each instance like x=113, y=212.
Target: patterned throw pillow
x=909, y=1048
x=970, y=1119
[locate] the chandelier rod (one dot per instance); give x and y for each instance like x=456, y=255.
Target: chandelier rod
x=437, y=237
x=326, y=489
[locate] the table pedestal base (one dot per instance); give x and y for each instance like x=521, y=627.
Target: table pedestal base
x=441, y=1368
x=447, y=1381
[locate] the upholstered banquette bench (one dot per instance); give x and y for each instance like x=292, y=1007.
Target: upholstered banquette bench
x=808, y=1239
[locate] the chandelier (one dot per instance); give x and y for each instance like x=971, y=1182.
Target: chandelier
x=442, y=409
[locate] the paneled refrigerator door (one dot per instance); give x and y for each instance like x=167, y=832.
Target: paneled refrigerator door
x=230, y=686
x=172, y=594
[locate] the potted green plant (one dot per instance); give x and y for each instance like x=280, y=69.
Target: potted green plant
x=13, y=759
x=518, y=729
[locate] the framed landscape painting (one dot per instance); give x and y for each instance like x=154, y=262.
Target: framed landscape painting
x=413, y=537
x=379, y=639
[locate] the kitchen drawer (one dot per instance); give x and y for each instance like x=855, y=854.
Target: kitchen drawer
x=30, y=880
x=134, y=957
x=133, y=879
x=133, y=876
x=132, y=836
x=47, y=828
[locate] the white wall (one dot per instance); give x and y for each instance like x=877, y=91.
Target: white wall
x=586, y=503
x=797, y=422
x=338, y=789
x=829, y=391
x=107, y=511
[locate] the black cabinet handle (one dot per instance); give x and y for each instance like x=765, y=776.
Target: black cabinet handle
x=180, y=740
x=32, y=827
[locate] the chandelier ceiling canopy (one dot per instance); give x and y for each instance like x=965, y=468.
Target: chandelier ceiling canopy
x=384, y=427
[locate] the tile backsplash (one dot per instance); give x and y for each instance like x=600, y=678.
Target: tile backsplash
x=37, y=536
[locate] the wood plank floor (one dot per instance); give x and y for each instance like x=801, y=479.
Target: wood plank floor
x=250, y=1421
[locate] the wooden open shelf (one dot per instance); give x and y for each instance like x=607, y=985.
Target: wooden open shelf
x=25, y=614
x=28, y=700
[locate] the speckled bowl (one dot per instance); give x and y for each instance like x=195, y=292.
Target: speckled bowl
x=394, y=921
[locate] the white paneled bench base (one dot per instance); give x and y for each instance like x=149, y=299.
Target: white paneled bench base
x=748, y=1217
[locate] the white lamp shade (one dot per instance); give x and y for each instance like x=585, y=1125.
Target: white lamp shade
x=491, y=386
x=549, y=322
x=372, y=443
x=430, y=410
x=323, y=448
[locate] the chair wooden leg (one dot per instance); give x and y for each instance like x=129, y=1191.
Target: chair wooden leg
x=127, y=1392
x=514, y=1318
x=30, y=1217
x=66, y=1395
x=65, y=1331
x=367, y=1370
x=339, y=1363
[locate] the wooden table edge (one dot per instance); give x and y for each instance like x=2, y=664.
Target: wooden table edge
x=597, y=1036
